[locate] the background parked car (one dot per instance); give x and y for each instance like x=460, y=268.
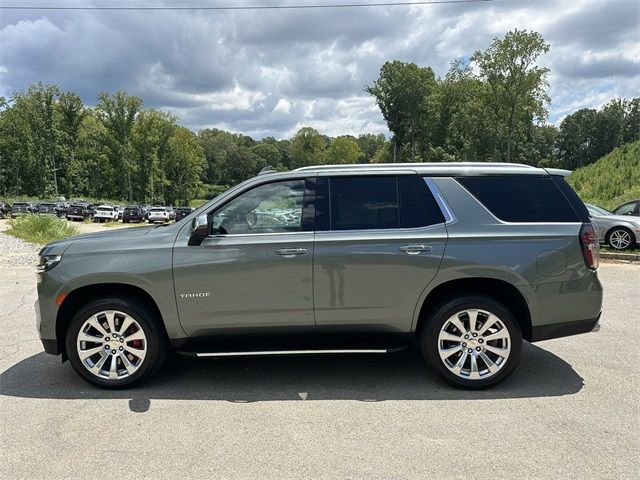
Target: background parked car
x=132, y=213
x=629, y=208
x=32, y=207
x=47, y=208
x=158, y=214
x=617, y=231
x=145, y=211
x=61, y=209
x=5, y=209
x=171, y=212
x=19, y=208
x=79, y=211
x=182, y=212
x=105, y=213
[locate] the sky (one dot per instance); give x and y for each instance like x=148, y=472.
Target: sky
x=271, y=72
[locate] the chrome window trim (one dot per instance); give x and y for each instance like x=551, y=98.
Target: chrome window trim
x=449, y=217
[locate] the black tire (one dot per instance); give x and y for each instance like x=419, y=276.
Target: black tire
x=157, y=344
x=438, y=318
x=621, y=230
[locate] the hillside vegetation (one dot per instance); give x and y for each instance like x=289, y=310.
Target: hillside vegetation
x=612, y=180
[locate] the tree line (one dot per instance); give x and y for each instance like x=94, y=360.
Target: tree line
x=489, y=107
x=493, y=107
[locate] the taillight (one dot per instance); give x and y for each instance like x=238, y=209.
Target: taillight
x=590, y=246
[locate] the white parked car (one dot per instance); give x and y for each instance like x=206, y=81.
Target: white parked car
x=105, y=213
x=158, y=214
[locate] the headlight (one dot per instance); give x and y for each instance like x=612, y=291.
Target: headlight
x=47, y=262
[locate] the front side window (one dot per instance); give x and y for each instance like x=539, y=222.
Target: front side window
x=271, y=208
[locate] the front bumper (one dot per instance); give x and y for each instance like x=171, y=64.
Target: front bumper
x=50, y=344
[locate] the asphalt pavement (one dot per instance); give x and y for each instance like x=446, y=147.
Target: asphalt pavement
x=571, y=410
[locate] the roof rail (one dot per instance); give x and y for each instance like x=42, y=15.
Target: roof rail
x=443, y=165
x=267, y=169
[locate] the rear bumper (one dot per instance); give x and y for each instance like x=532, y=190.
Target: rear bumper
x=564, y=329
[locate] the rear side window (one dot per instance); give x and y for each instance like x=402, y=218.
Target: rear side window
x=520, y=198
x=379, y=202
x=364, y=203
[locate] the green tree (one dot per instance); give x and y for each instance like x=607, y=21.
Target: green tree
x=149, y=139
x=407, y=96
x=185, y=163
x=307, y=148
x=517, y=87
x=71, y=113
x=343, y=149
x=118, y=113
x=369, y=144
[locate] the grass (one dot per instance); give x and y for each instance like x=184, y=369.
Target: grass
x=41, y=229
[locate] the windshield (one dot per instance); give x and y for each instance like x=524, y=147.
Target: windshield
x=597, y=211
x=104, y=209
x=157, y=210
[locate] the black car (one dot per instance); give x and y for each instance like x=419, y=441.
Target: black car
x=132, y=214
x=19, y=208
x=79, y=211
x=46, y=208
x=182, y=212
x=61, y=209
x=629, y=208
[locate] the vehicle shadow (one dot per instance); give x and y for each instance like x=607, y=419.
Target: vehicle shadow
x=369, y=378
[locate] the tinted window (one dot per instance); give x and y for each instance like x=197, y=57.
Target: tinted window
x=269, y=208
x=364, y=203
x=521, y=198
x=381, y=202
x=418, y=208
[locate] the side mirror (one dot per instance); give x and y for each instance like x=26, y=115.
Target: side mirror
x=199, y=230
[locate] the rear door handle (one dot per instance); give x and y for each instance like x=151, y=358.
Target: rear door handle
x=291, y=252
x=415, y=249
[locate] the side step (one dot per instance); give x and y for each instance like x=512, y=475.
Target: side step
x=287, y=352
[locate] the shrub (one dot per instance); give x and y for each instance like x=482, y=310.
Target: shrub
x=41, y=229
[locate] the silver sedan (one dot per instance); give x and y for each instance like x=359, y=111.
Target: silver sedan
x=617, y=231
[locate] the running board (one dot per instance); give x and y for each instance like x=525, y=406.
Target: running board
x=285, y=352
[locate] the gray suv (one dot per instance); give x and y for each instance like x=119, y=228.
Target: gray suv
x=464, y=260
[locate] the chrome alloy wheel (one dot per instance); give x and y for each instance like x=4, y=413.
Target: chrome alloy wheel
x=111, y=345
x=620, y=239
x=474, y=344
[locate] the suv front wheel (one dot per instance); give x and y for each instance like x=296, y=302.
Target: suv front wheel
x=473, y=342
x=114, y=342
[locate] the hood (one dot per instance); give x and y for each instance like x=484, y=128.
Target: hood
x=619, y=218
x=59, y=246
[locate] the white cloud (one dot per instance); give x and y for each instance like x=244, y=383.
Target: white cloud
x=283, y=106
x=271, y=72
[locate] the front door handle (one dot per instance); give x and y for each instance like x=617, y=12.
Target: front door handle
x=415, y=249
x=291, y=252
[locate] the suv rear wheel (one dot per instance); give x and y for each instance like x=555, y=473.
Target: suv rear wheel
x=472, y=342
x=114, y=343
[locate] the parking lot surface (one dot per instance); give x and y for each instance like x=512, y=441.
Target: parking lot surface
x=571, y=410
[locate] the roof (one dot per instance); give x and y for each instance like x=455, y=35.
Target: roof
x=441, y=168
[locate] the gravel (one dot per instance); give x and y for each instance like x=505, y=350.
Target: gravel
x=16, y=252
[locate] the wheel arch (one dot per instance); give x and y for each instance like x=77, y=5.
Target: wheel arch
x=499, y=290
x=79, y=297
